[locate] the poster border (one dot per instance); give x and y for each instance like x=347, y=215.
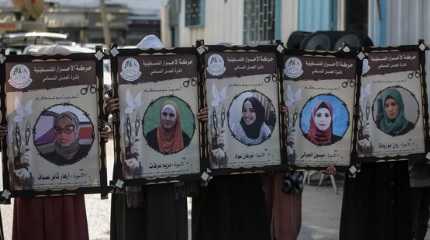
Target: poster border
x=344, y=53
x=103, y=188
x=118, y=177
x=275, y=48
x=425, y=117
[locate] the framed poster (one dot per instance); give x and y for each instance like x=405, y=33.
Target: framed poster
x=391, y=121
x=243, y=99
x=319, y=92
x=158, y=132
x=52, y=105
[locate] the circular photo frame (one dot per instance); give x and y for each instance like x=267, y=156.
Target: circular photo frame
x=168, y=125
x=63, y=134
x=395, y=111
x=324, y=119
x=251, y=117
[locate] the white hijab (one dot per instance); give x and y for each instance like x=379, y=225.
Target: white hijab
x=150, y=41
x=55, y=49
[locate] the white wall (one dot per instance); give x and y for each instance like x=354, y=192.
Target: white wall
x=224, y=21
x=340, y=15
x=165, y=26
x=223, y=24
x=188, y=35
x=289, y=18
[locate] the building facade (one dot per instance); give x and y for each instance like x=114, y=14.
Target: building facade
x=387, y=22
x=83, y=23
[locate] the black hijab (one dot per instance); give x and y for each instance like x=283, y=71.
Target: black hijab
x=253, y=131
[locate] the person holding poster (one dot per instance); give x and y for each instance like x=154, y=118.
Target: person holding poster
x=157, y=211
x=252, y=128
x=391, y=114
x=231, y=207
x=51, y=218
x=169, y=137
x=419, y=177
x=376, y=203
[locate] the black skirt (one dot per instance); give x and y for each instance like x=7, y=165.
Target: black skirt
x=231, y=208
x=162, y=217
x=376, y=203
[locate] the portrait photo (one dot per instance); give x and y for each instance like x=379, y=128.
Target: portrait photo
x=395, y=111
x=251, y=117
x=168, y=125
x=324, y=119
x=63, y=134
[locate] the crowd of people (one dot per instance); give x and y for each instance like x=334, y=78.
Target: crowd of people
x=378, y=203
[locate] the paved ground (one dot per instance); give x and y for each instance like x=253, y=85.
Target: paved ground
x=321, y=212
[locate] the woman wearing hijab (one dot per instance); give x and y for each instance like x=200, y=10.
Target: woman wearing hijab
x=52, y=218
x=321, y=125
x=234, y=207
x=168, y=138
x=391, y=114
x=252, y=128
x=157, y=211
x=376, y=203
x=67, y=147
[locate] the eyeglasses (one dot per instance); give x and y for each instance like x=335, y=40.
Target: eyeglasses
x=67, y=129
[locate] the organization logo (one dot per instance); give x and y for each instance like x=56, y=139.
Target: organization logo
x=216, y=65
x=20, y=76
x=130, y=70
x=293, y=67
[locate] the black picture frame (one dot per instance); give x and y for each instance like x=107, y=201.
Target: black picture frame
x=275, y=49
x=345, y=53
x=97, y=59
x=119, y=180
x=419, y=49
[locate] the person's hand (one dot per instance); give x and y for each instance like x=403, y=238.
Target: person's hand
x=112, y=105
x=202, y=115
x=3, y=131
x=131, y=163
x=22, y=174
x=330, y=170
x=284, y=108
x=105, y=133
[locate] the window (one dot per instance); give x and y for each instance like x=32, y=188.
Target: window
x=259, y=21
x=194, y=13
